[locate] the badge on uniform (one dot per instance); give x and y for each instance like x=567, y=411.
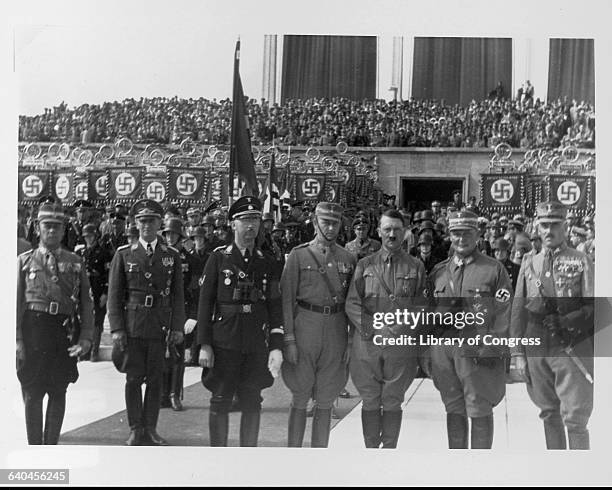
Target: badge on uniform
x=148, y=275
x=201, y=280
x=227, y=280
x=502, y=295
x=132, y=266
x=32, y=275
x=168, y=261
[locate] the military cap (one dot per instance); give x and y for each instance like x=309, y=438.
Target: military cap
x=279, y=227
x=426, y=225
x=329, y=210
x=425, y=239
x=360, y=222
x=482, y=221
x=174, y=225
x=118, y=216
x=209, y=220
x=119, y=357
x=191, y=211
x=146, y=208
x=577, y=230
x=517, y=220
x=427, y=215
x=501, y=244
x=198, y=231
x=292, y=224
x=495, y=216
x=417, y=217
x=89, y=229
x=245, y=206
x=503, y=218
x=551, y=212
x=267, y=217
x=82, y=203
x=133, y=231
x=462, y=220
x=53, y=212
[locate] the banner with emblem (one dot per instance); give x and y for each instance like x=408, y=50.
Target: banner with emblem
x=154, y=186
x=217, y=188
x=535, y=192
x=504, y=193
x=570, y=190
x=81, y=186
x=124, y=184
x=97, y=180
x=333, y=190
x=186, y=184
x=63, y=186
x=310, y=187
x=33, y=184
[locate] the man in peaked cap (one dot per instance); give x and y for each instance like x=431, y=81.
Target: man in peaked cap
x=471, y=380
x=362, y=246
x=52, y=289
x=554, y=303
x=240, y=287
x=314, y=285
x=501, y=251
x=74, y=231
x=145, y=302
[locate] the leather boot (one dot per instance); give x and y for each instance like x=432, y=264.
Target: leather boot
x=391, y=424
x=482, y=432
x=56, y=407
x=457, y=429
x=165, y=391
x=176, y=387
x=152, y=438
x=133, y=404
x=578, y=439
x=135, y=438
x=249, y=429
x=33, y=417
x=297, y=426
x=150, y=410
x=320, y=427
x=554, y=433
x=218, y=425
x=371, y=421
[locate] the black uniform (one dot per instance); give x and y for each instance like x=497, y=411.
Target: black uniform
x=198, y=261
x=240, y=316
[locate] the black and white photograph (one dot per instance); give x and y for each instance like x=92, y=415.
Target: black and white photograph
x=257, y=241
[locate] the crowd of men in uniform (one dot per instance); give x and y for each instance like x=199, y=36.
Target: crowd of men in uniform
x=250, y=298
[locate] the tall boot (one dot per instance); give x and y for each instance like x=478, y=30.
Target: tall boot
x=133, y=403
x=218, y=425
x=249, y=428
x=176, y=386
x=578, y=439
x=554, y=433
x=482, y=432
x=150, y=412
x=391, y=424
x=320, y=427
x=371, y=421
x=457, y=428
x=297, y=426
x=56, y=408
x=166, y=387
x=33, y=402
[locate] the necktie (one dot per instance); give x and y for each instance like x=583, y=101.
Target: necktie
x=457, y=279
x=52, y=264
x=546, y=277
x=149, y=250
x=390, y=276
x=247, y=255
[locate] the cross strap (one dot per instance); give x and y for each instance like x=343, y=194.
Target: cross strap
x=326, y=278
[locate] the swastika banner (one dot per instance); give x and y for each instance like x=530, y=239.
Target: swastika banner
x=124, y=184
x=96, y=185
x=502, y=192
x=334, y=191
x=154, y=186
x=186, y=184
x=570, y=190
x=33, y=184
x=63, y=186
x=310, y=187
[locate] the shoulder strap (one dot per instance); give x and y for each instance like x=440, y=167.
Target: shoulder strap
x=323, y=272
x=385, y=286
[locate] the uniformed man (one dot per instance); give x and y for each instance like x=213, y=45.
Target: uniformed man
x=436, y=209
x=145, y=307
x=314, y=286
x=174, y=372
x=362, y=246
x=471, y=380
x=194, y=219
x=54, y=324
x=239, y=326
x=73, y=235
x=388, y=280
x=554, y=303
x=116, y=236
x=501, y=252
x=425, y=252
x=97, y=261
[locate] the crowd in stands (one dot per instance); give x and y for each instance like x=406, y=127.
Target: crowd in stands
x=522, y=123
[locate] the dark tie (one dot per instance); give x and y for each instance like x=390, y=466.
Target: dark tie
x=390, y=275
x=457, y=278
x=247, y=256
x=52, y=264
x=546, y=277
x=149, y=250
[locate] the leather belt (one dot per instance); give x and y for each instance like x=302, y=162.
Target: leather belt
x=53, y=308
x=324, y=310
x=147, y=300
x=227, y=308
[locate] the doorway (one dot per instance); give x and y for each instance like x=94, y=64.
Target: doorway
x=418, y=193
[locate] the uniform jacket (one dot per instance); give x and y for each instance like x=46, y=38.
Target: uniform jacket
x=71, y=290
x=361, y=250
x=133, y=274
x=97, y=260
x=231, y=287
x=367, y=295
x=301, y=279
x=573, y=280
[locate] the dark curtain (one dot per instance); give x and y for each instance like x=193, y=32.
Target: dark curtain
x=329, y=66
x=571, y=70
x=461, y=69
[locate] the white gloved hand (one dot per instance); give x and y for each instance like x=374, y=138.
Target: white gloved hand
x=275, y=359
x=190, y=325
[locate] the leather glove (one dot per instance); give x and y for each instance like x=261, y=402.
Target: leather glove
x=120, y=338
x=79, y=349
x=519, y=373
x=291, y=352
x=275, y=360
x=20, y=351
x=176, y=337
x=207, y=357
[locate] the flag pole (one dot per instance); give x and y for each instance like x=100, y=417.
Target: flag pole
x=232, y=162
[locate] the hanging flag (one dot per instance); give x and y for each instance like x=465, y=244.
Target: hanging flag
x=503, y=193
x=310, y=187
x=63, y=186
x=33, y=184
x=124, y=184
x=570, y=190
x=186, y=184
x=154, y=186
x=96, y=185
x=272, y=199
x=241, y=155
